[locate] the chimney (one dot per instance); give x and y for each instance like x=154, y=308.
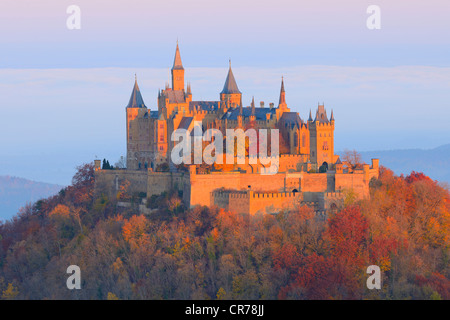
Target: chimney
x=261, y=104
x=271, y=105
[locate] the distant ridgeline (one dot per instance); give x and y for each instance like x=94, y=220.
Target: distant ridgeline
x=308, y=171
x=16, y=192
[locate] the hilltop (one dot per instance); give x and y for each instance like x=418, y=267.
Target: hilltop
x=210, y=253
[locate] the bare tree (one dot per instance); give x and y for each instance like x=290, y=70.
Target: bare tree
x=352, y=157
x=121, y=163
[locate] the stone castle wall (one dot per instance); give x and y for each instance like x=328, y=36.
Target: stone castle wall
x=255, y=202
x=249, y=192
x=109, y=181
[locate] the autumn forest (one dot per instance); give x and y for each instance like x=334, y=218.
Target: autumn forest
x=208, y=253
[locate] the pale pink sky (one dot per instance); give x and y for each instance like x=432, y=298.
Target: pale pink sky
x=236, y=21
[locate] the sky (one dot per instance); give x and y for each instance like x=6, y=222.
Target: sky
x=63, y=92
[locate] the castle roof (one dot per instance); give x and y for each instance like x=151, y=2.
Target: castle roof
x=136, y=100
x=205, y=105
x=259, y=113
x=321, y=115
x=185, y=123
x=230, y=83
x=291, y=119
x=177, y=61
x=154, y=114
x=175, y=96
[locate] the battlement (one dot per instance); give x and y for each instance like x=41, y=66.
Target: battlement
x=333, y=195
x=273, y=195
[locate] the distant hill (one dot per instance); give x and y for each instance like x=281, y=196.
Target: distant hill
x=435, y=163
x=16, y=192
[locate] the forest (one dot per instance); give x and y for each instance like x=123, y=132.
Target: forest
x=208, y=253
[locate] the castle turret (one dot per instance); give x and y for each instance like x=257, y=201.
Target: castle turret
x=136, y=100
x=282, y=106
x=188, y=90
x=240, y=117
x=135, y=110
x=230, y=90
x=253, y=115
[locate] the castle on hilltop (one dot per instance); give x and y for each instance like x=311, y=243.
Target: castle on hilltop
x=308, y=171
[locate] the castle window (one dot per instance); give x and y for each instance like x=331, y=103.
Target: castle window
x=325, y=146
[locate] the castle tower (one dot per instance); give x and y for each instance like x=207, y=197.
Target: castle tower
x=177, y=72
x=134, y=110
x=161, y=143
x=282, y=106
x=322, y=138
x=230, y=90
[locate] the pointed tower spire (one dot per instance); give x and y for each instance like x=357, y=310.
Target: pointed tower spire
x=230, y=86
x=253, y=106
x=136, y=100
x=189, y=88
x=332, y=116
x=282, y=102
x=177, y=72
x=177, y=64
x=310, y=116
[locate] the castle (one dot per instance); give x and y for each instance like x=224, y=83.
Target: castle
x=308, y=171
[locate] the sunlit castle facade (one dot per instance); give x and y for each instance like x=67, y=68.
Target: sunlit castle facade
x=149, y=131
x=308, y=170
